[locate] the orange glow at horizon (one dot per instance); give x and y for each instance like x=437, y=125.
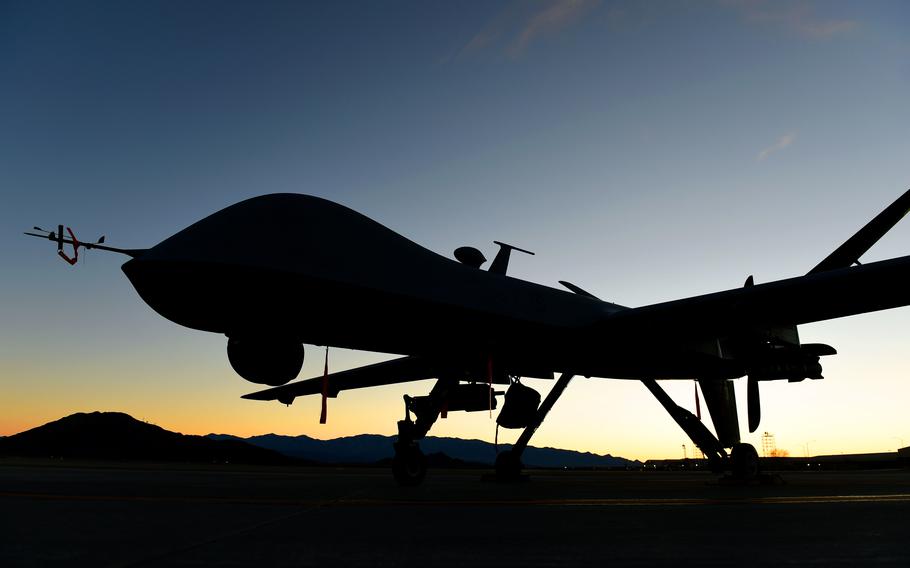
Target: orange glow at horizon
x=596, y=415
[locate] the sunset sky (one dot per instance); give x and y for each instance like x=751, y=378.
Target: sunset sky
x=646, y=151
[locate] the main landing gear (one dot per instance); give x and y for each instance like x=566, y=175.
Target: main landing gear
x=508, y=466
x=742, y=462
x=508, y=462
x=409, y=466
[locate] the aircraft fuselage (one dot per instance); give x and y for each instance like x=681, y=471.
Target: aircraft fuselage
x=303, y=267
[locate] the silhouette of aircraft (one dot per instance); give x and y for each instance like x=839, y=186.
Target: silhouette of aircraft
x=279, y=271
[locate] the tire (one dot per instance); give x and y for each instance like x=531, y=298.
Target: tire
x=508, y=466
x=744, y=460
x=409, y=466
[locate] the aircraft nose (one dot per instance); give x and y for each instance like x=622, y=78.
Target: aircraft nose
x=142, y=275
x=133, y=269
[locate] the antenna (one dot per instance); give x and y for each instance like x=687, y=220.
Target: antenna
x=501, y=262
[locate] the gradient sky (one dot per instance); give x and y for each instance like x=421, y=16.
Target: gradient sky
x=644, y=150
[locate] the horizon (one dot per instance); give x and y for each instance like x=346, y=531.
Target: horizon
x=247, y=438
x=778, y=453
x=645, y=152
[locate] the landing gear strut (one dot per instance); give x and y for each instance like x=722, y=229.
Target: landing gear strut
x=409, y=466
x=742, y=460
x=508, y=462
x=691, y=425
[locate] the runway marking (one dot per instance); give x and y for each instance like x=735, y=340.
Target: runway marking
x=567, y=502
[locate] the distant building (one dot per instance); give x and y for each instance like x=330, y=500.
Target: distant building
x=768, y=445
x=904, y=453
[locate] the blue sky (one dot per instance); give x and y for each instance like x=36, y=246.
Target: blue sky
x=645, y=150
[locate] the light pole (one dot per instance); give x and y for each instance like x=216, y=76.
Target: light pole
x=807, y=447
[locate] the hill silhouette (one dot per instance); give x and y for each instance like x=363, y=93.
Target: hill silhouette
x=119, y=436
x=373, y=448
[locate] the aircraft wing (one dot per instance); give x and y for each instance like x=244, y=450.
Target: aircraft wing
x=849, y=253
x=838, y=286
x=816, y=297
x=401, y=370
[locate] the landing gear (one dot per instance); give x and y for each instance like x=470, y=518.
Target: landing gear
x=744, y=461
x=712, y=448
x=409, y=466
x=508, y=462
x=508, y=466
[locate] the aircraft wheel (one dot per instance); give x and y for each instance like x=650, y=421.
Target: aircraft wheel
x=409, y=466
x=744, y=460
x=508, y=466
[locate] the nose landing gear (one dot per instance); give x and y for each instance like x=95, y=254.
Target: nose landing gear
x=409, y=466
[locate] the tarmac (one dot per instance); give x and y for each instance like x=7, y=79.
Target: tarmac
x=110, y=514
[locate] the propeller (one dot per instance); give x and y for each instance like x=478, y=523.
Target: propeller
x=753, y=401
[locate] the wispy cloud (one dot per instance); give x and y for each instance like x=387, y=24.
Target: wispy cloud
x=799, y=17
x=782, y=142
x=522, y=24
x=550, y=20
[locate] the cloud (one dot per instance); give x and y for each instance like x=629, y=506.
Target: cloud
x=522, y=24
x=552, y=19
x=799, y=18
x=782, y=142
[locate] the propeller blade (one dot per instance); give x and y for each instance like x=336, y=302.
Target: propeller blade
x=753, y=400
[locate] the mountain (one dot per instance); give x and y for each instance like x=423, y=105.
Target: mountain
x=118, y=436
x=371, y=448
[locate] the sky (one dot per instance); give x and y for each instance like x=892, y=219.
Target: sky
x=646, y=151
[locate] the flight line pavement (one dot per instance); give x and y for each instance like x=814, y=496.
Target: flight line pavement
x=110, y=514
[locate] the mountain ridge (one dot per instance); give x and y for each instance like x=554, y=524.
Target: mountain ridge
x=119, y=436
x=368, y=448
